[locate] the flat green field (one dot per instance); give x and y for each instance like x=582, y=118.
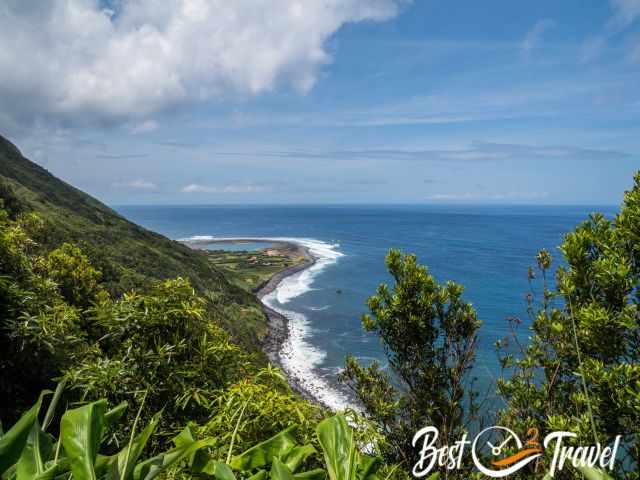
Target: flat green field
x=250, y=270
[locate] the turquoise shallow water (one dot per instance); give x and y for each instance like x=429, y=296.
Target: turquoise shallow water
x=486, y=248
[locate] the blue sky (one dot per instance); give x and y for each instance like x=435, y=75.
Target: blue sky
x=374, y=101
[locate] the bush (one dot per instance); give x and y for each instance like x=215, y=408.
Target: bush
x=580, y=372
x=429, y=336
x=28, y=452
x=164, y=345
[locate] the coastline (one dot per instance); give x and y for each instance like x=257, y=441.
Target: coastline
x=277, y=323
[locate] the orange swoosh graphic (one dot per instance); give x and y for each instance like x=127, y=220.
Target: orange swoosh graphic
x=515, y=457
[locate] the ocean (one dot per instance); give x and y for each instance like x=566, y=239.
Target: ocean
x=486, y=248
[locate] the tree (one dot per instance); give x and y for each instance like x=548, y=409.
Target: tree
x=78, y=281
x=429, y=337
x=580, y=371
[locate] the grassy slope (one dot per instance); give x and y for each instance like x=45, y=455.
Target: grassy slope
x=128, y=255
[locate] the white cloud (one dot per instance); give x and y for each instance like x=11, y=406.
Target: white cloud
x=533, y=38
x=197, y=188
x=626, y=12
x=450, y=106
x=136, y=185
x=71, y=57
x=489, y=197
x=474, y=153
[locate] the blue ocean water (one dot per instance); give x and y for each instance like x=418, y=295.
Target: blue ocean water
x=486, y=248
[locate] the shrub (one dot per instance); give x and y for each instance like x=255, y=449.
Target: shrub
x=580, y=371
x=429, y=336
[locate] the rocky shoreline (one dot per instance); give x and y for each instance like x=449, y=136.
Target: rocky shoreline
x=279, y=324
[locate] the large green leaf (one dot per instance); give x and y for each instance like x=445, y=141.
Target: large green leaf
x=12, y=442
x=260, y=475
x=297, y=455
x=199, y=459
x=279, y=471
x=151, y=468
x=263, y=453
x=340, y=452
x=316, y=474
x=36, y=452
x=221, y=471
x=367, y=467
x=81, y=433
x=53, y=471
x=114, y=468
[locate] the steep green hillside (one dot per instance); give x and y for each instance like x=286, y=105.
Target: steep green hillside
x=129, y=256
x=160, y=348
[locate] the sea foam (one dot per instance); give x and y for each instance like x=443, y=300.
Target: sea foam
x=300, y=359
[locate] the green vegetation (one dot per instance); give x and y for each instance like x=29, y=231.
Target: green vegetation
x=157, y=345
x=161, y=345
x=171, y=336
x=430, y=365
x=580, y=370
x=28, y=452
x=127, y=255
x=251, y=270
x=159, y=348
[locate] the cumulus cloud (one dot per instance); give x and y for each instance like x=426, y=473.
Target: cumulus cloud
x=75, y=57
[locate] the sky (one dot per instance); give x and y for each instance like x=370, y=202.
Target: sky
x=326, y=101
